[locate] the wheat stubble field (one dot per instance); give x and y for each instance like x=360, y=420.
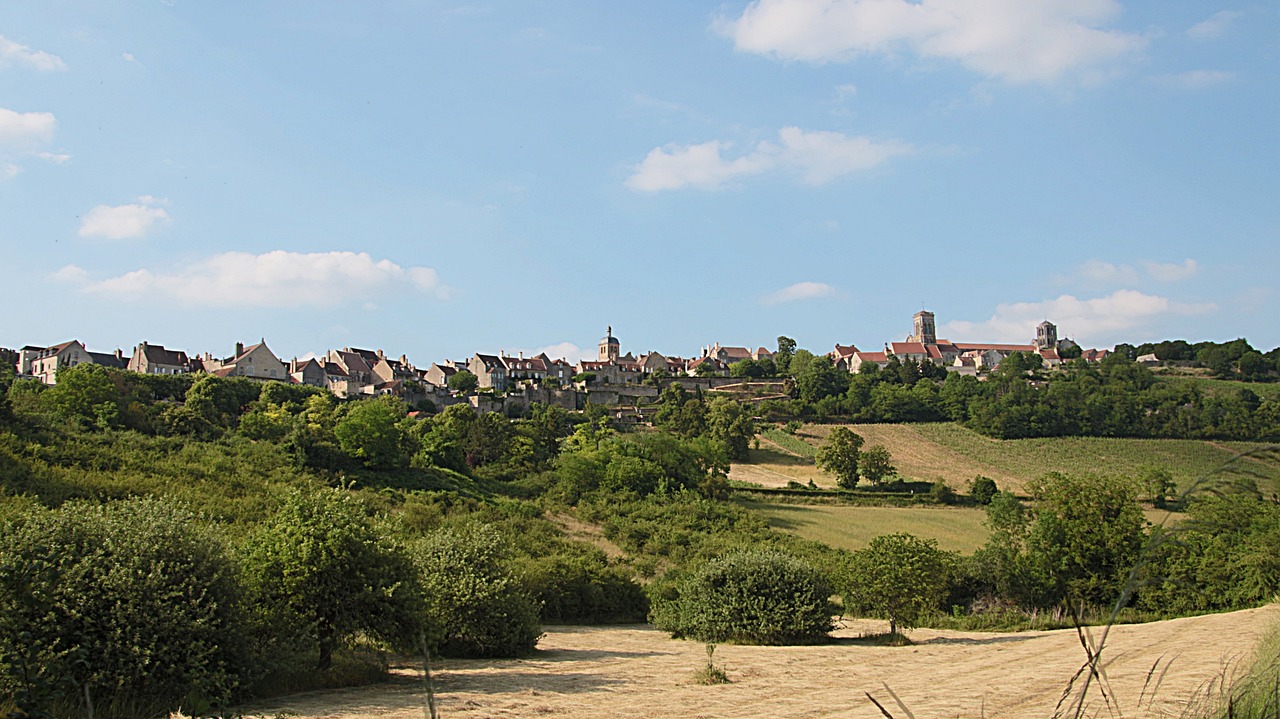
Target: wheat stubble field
x=637, y=671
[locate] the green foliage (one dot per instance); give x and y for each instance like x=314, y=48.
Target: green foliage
x=463, y=382
x=876, y=465
x=900, y=577
x=85, y=395
x=841, y=455
x=370, y=432
x=474, y=607
x=583, y=589
x=729, y=424
x=132, y=604
x=319, y=573
x=749, y=597
x=982, y=489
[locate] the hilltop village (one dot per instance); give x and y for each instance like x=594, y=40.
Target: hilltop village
x=506, y=383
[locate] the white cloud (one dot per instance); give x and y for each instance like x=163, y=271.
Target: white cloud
x=567, y=351
x=1214, y=27
x=12, y=53
x=128, y=57
x=1196, y=79
x=800, y=291
x=22, y=134
x=72, y=274
x=275, y=279
x=26, y=131
x=1171, y=271
x=1019, y=41
x=123, y=221
x=1100, y=321
x=818, y=156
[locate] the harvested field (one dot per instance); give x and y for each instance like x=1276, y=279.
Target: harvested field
x=958, y=529
x=637, y=671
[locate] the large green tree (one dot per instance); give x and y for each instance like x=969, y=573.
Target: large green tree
x=900, y=577
x=319, y=571
x=876, y=465
x=839, y=455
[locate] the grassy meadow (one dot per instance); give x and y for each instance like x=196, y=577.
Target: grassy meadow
x=958, y=529
x=949, y=452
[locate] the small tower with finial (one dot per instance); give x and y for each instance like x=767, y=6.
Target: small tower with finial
x=610, y=348
x=923, y=328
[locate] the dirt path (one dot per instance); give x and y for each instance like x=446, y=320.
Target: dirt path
x=591, y=672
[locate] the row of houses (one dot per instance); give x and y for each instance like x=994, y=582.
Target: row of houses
x=353, y=372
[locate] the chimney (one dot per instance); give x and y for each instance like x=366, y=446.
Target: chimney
x=239, y=349
x=380, y=355
x=119, y=353
x=521, y=354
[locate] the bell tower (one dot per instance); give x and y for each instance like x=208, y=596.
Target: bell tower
x=610, y=348
x=923, y=328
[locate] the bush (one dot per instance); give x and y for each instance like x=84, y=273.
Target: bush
x=982, y=489
x=474, y=607
x=583, y=590
x=749, y=597
x=129, y=604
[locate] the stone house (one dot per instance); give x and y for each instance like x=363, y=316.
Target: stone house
x=309, y=372
x=255, y=362
x=489, y=370
x=43, y=363
x=156, y=359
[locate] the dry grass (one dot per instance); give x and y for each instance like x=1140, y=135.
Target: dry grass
x=626, y=672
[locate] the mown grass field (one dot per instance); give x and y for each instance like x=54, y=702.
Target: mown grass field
x=949, y=452
x=957, y=529
x=1213, y=386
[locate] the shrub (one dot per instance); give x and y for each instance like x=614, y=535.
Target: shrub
x=982, y=489
x=128, y=604
x=583, y=590
x=750, y=597
x=473, y=605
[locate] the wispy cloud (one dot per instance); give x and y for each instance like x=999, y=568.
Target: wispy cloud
x=12, y=53
x=121, y=222
x=1014, y=40
x=1100, y=320
x=274, y=279
x=72, y=274
x=1098, y=274
x=800, y=291
x=1196, y=79
x=1171, y=271
x=818, y=156
x=1214, y=27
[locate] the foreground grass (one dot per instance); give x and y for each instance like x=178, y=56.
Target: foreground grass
x=957, y=529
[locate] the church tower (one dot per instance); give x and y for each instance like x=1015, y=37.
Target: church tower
x=610, y=348
x=923, y=328
x=1046, y=336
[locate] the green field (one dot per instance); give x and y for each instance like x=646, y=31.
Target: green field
x=949, y=452
x=1211, y=386
x=957, y=529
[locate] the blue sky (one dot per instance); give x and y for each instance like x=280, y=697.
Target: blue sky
x=437, y=179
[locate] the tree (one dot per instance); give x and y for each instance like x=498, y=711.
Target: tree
x=840, y=456
x=370, y=432
x=876, y=464
x=786, y=350
x=729, y=423
x=899, y=576
x=463, y=382
x=85, y=395
x=319, y=571
x=1157, y=484
x=817, y=378
x=1084, y=539
x=982, y=489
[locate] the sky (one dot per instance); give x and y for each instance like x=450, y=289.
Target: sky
x=438, y=179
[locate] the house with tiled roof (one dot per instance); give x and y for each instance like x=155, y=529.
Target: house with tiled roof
x=157, y=359
x=841, y=356
x=254, y=362
x=709, y=365
x=43, y=363
x=858, y=359
x=489, y=370
x=309, y=372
